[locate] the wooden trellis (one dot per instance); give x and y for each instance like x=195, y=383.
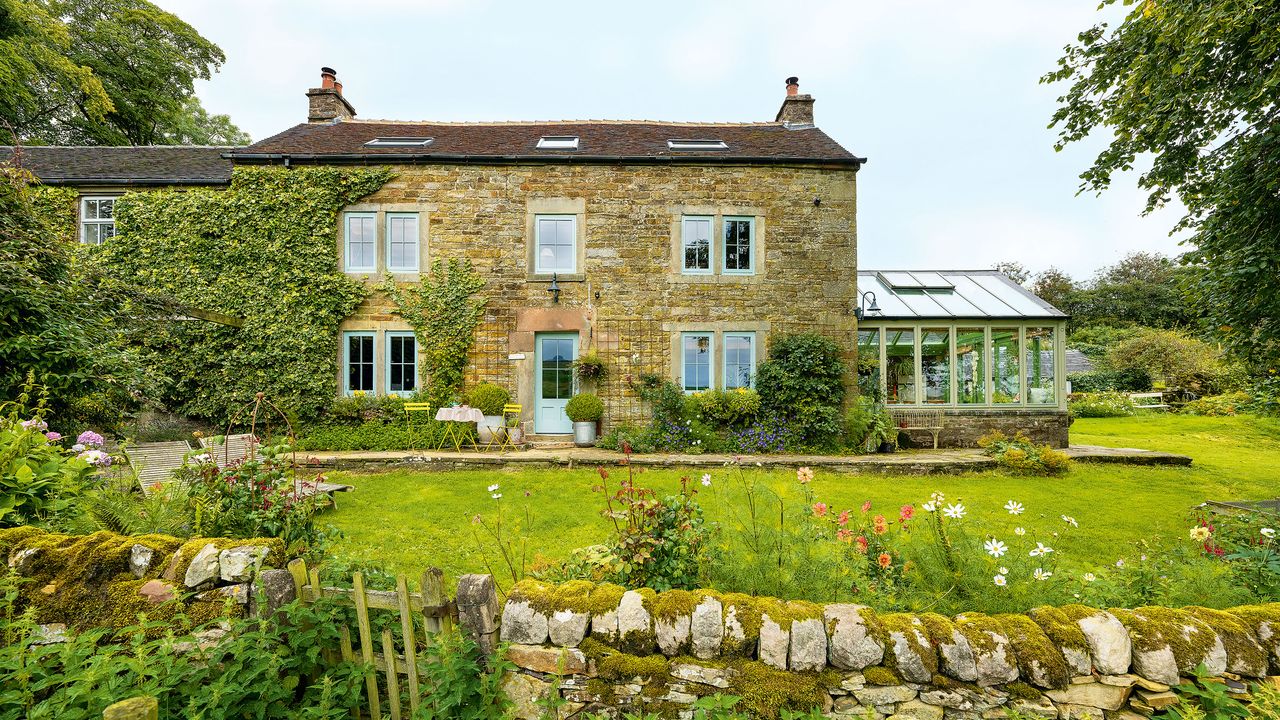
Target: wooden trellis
x=630, y=347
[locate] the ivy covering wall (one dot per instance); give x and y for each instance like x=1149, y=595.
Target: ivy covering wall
x=263, y=249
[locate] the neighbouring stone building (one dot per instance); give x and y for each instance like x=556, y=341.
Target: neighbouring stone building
x=675, y=249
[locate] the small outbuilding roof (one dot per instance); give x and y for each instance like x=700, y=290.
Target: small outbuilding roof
x=948, y=294
x=127, y=165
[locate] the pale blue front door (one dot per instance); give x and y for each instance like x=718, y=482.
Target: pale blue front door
x=554, y=378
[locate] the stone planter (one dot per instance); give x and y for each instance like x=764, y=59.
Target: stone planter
x=584, y=433
x=516, y=434
x=490, y=429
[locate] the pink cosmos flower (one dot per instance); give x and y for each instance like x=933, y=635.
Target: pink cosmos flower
x=804, y=475
x=907, y=512
x=866, y=506
x=844, y=519
x=820, y=509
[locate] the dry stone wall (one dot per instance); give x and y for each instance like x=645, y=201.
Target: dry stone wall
x=608, y=650
x=106, y=580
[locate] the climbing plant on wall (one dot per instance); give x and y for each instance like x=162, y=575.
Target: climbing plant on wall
x=262, y=249
x=444, y=312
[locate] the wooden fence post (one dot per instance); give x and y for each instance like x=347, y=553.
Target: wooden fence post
x=478, y=610
x=138, y=708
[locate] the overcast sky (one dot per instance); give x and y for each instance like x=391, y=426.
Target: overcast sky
x=941, y=96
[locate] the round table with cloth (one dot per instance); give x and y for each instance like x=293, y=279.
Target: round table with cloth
x=452, y=431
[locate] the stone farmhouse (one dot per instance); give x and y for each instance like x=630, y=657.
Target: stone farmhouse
x=670, y=248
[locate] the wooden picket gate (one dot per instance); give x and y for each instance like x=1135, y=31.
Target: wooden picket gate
x=437, y=611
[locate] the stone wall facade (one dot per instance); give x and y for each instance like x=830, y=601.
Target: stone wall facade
x=963, y=427
x=105, y=579
x=629, y=299
x=609, y=650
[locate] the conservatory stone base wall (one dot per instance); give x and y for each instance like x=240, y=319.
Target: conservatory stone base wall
x=603, y=650
x=962, y=428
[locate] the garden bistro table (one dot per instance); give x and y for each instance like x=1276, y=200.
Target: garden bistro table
x=453, y=417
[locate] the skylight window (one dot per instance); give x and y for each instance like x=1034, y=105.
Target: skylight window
x=915, y=281
x=558, y=142
x=399, y=142
x=696, y=145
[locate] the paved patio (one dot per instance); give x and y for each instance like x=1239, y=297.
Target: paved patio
x=908, y=462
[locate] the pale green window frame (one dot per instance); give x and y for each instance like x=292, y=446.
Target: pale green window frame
x=686, y=222
x=684, y=362
x=371, y=361
x=390, y=336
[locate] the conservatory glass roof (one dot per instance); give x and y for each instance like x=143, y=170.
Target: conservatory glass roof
x=910, y=294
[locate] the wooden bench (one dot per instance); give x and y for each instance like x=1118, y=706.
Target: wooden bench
x=154, y=462
x=930, y=420
x=1140, y=401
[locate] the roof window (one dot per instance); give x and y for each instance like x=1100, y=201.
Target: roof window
x=696, y=145
x=558, y=142
x=898, y=281
x=399, y=142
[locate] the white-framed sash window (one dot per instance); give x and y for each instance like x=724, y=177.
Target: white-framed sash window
x=97, y=219
x=556, y=244
x=361, y=241
x=402, y=242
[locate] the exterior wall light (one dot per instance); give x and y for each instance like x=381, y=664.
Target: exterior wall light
x=863, y=308
x=554, y=289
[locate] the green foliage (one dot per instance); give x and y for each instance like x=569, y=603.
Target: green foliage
x=118, y=506
x=1179, y=360
x=39, y=478
x=658, y=543
x=488, y=398
x=1219, y=405
x=1100, y=404
x=590, y=367
x=54, y=320
x=264, y=670
x=1190, y=84
x=728, y=408
x=125, y=72
x=1019, y=456
x=459, y=682
x=261, y=249
x=256, y=498
x=584, y=407
x=361, y=407
x=1125, y=381
x=444, y=313
x=803, y=380
x=1206, y=698
x=41, y=79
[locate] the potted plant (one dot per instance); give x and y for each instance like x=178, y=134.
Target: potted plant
x=590, y=368
x=882, y=435
x=489, y=399
x=584, y=409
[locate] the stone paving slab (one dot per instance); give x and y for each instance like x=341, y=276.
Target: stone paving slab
x=907, y=462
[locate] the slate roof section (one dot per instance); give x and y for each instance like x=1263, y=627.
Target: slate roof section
x=149, y=165
x=975, y=294
x=600, y=141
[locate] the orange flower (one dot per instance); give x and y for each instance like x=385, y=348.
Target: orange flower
x=844, y=519
x=844, y=535
x=884, y=561
x=880, y=525
x=862, y=544
x=820, y=509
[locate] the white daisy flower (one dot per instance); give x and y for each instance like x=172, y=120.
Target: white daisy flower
x=1090, y=577
x=1000, y=581
x=995, y=548
x=955, y=511
x=706, y=480
x=493, y=488
x=1042, y=574
x=929, y=506
x=497, y=496
x=1268, y=532
x=1014, y=507
x=1040, y=549
x=1019, y=531
x=1070, y=521
x=1004, y=570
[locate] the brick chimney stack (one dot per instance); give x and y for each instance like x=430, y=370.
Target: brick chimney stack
x=796, y=109
x=326, y=103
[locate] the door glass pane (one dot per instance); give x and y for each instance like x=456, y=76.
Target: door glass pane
x=737, y=244
x=697, y=362
x=696, y=234
x=557, y=368
x=971, y=368
x=869, y=364
x=739, y=360
x=1041, y=368
x=900, y=365
x=1004, y=366
x=935, y=365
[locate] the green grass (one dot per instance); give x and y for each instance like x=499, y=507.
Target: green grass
x=409, y=520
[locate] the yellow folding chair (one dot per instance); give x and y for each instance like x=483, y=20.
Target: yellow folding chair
x=511, y=415
x=410, y=410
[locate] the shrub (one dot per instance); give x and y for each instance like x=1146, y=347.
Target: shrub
x=858, y=421
x=1100, y=404
x=1020, y=456
x=584, y=407
x=590, y=367
x=660, y=541
x=727, y=408
x=803, y=380
x=1218, y=405
x=361, y=407
x=376, y=435
x=621, y=437
x=488, y=398
x=1126, y=380
x=1181, y=361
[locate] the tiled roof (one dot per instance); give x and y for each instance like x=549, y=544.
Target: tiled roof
x=599, y=140
x=942, y=294
x=131, y=165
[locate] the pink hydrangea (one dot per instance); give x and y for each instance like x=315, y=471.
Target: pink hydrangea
x=53, y=436
x=35, y=424
x=90, y=438
x=96, y=457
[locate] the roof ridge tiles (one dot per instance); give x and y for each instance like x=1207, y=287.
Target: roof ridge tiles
x=594, y=121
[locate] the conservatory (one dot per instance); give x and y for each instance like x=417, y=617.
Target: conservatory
x=973, y=345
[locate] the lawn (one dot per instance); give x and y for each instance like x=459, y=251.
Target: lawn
x=409, y=520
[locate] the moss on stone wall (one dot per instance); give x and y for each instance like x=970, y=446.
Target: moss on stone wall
x=1060, y=628
x=1152, y=628
x=881, y=675
x=1238, y=638
x=912, y=629
x=1036, y=654
x=766, y=691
